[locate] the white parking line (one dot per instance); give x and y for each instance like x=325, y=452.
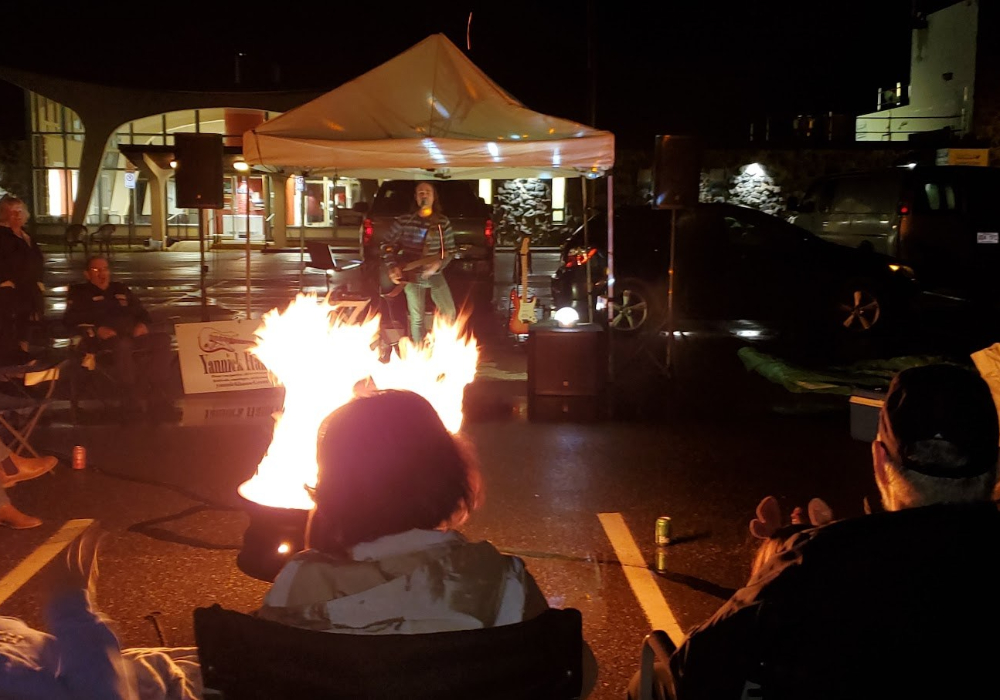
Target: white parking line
x=34, y=562
x=640, y=578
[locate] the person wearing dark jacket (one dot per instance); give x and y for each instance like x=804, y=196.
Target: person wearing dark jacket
x=900, y=603
x=21, y=268
x=111, y=318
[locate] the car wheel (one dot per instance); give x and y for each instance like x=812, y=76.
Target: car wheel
x=859, y=308
x=632, y=308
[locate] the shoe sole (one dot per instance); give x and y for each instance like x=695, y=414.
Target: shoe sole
x=17, y=478
x=12, y=526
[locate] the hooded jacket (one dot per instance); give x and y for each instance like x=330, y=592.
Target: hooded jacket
x=409, y=583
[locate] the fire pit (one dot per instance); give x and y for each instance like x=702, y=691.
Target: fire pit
x=273, y=536
x=320, y=359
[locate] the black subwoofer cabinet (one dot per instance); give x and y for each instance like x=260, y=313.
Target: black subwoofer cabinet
x=567, y=372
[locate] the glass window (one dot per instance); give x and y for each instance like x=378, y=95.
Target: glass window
x=865, y=195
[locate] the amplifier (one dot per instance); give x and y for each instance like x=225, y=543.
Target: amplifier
x=565, y=364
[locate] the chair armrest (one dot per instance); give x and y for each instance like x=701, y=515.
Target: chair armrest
x=657, y=646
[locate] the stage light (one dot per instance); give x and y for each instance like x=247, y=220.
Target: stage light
x=567, y=317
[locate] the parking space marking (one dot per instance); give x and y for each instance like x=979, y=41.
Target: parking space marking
x=45, y=553
x=639, y=577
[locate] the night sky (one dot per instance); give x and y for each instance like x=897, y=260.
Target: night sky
x=678, y=68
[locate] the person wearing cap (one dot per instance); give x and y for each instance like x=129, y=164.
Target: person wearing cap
x=898, y=603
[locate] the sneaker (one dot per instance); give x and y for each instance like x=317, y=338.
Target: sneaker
x=27, y=468
x=16, y=520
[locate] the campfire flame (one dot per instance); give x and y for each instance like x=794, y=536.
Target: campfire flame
x=319, y=359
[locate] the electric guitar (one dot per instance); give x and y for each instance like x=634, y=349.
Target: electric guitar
x=212, y=340
x=522, y=308
x=409, y=272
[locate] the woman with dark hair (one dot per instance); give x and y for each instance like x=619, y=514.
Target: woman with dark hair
x=382, y=556
x=21, y=267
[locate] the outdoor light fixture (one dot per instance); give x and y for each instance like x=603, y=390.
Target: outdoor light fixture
x=241, y=165
x=173, y=164
x=754, y=170
x=567, y=317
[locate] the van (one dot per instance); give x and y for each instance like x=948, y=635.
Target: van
x=942, y=223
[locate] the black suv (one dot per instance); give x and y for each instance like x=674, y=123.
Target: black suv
x=470, y=218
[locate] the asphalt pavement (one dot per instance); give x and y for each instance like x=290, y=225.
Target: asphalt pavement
x=702, y=445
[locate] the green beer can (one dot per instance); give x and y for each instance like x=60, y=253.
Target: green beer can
x=663, y=533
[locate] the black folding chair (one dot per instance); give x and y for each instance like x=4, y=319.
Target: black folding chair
x=248, y=658
x=321, y=257
x=26, y=392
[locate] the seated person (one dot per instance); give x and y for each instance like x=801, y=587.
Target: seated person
x=899, y=603
x=80, y=658
x=116, y=321
x=382, y=556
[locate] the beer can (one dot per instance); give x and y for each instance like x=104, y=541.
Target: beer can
x=79, y=457
x=662, y=531
x=661, y=560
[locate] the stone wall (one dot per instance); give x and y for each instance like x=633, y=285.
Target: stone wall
x=524, y=208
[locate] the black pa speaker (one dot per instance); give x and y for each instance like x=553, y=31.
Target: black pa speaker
x=199, y=171
x=676, y=172
x=567, y=372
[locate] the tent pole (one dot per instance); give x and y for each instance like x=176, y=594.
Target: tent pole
x=246, y=180
x=302, y=230
x=586, y=246
x=202, y=215
x=611, y=283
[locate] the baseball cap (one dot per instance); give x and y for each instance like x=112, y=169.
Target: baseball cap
x=944, y=404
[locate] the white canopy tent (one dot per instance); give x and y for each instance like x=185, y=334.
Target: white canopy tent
x=429, y=112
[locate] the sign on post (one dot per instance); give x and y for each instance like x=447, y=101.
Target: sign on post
x=130, y=179
x=215, y=356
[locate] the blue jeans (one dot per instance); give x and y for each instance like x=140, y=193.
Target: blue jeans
x=416, y=303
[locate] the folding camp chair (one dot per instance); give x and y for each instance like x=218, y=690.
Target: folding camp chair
x=21, y=406
x=246, y=657
x=322, y=257
x=656, y=647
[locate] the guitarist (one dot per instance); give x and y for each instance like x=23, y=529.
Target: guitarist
x=424, y=232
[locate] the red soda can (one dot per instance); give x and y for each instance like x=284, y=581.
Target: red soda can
x=79, y=457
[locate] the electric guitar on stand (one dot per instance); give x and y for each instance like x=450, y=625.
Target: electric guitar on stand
x=522, y=307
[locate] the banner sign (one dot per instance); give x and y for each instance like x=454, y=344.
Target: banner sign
x=215, y=356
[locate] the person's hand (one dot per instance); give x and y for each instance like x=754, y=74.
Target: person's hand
x=430, y=269
x=769, y=520
x=395, y=274
x=140, y=329
x=77, y=569
x=103, y=332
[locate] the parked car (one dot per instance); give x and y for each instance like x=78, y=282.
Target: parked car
x=471, y=221
x=733, y=263
x=940, y=221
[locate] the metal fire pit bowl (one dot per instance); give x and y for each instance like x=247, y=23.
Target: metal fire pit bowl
x=273, y=536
